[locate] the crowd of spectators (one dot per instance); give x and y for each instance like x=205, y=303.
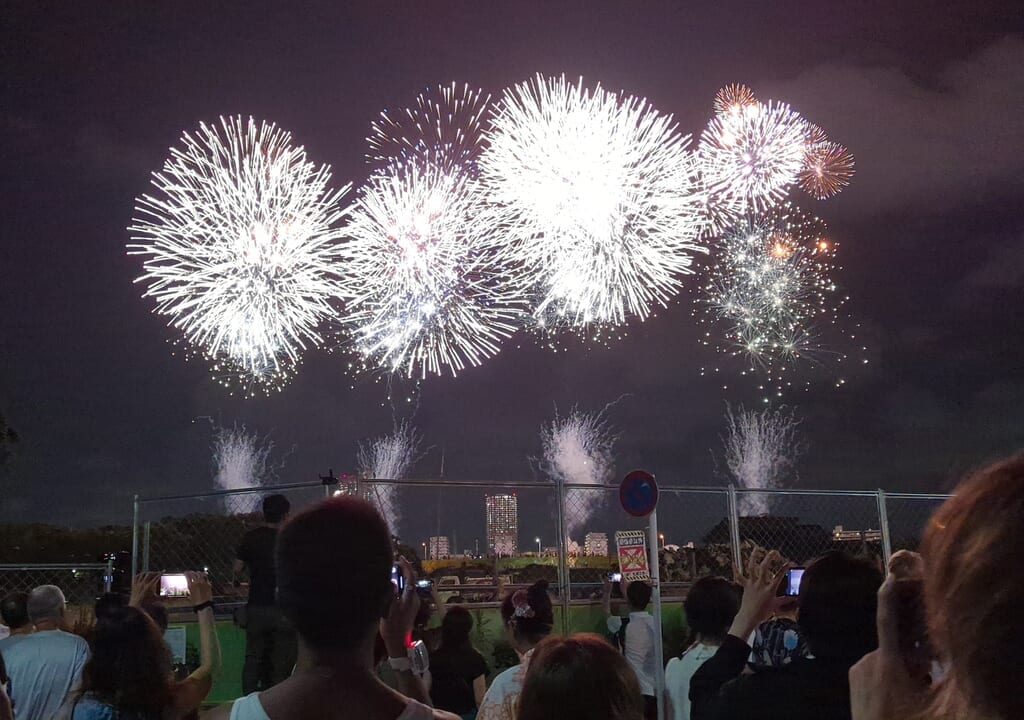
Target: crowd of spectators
x=934, y=640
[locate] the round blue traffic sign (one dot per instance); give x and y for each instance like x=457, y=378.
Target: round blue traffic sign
x=638, y=493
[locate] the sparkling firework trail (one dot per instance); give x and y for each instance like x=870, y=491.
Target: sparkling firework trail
x=578, y=450
x=770, y=285
x=241, y=459
x=761, y=450
x=426, y=286
x=241, y=245
x=390, y=457
x=751, y=155
x=598, y=196
x=442, y=130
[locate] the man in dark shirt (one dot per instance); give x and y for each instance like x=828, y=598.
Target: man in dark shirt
x=270, y=645
x=838, y=602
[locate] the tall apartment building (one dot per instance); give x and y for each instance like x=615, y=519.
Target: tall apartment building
x=596, y=543
x=502, y=524
x=438, y=547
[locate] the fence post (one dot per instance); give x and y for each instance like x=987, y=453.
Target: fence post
x=108, y=577
x=563, y=569
x=659, y=659
x=734, y=530
x=883, y=520
x=135, y=537
x=145, y=546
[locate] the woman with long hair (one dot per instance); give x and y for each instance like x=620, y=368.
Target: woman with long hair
x=458, y=671
x=129, y=674
x=529, y=618
x=973, y=593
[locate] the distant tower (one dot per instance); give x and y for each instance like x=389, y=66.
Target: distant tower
x=502, y=524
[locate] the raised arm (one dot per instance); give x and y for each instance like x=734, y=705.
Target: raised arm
x=396, y=628
x=190, y=692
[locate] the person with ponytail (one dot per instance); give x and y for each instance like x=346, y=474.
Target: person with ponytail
x=529, y=618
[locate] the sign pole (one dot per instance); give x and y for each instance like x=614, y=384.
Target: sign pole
x=659, y=653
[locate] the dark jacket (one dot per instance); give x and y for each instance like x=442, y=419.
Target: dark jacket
x=806, y=689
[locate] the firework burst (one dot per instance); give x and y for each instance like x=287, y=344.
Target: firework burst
x=827, y=170
x=578, y=450
x=241, y=244
x=443, y=130
x=751, y=155
x=733, y=97
x=425, y=283
x=597, y=193
x=771, y=287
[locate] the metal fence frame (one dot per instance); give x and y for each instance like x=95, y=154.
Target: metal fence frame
x=45, y=571
x=731, y=495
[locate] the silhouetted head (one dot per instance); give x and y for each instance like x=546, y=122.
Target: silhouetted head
x=275, y=508
x=130, y=665
x=334, y=572
x=579, y=678
x=528, y=613
x=638, y=595
x=710, y=607
x=455, y=628
x=14, y=611
x=45, y=604
x=973, y=587
x=839, y=605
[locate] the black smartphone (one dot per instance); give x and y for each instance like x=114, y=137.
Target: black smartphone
x=424, y=584
x=793, y=578
x=912, y=627
x=615, y=577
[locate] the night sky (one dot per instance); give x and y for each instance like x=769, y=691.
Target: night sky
x=927, y=96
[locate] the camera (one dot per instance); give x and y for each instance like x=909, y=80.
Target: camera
x=793, y=578
x=615, y=577
x=173, y=585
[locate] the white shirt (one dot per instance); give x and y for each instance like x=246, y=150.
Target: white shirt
x=250, y=708
x=678, y=674
x=640, y=635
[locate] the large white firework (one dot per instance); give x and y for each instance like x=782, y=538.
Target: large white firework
x=578, y=450
x=770, y=288
x=598, y=196
x=241, y=246
x=761, y=451
x=241, y=459
x=389, y=457
x=425, y=283
x=751, y=153
x=443, y=129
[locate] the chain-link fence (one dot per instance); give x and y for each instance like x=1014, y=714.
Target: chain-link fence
x=81, y=583
x=475, y=538
x=202, y=532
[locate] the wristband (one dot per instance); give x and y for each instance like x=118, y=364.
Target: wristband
x=202, y=606
x=400, y=664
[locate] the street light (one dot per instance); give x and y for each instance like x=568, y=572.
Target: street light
x=661, y=539
x=538, y=545
x=424, y=550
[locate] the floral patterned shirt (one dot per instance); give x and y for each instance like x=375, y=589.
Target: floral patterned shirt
x=502, y=699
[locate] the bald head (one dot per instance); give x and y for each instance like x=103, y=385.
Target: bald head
x=46, y=602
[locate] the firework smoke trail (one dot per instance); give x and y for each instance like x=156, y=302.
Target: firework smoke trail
x=443, y=129
x=390, y=457
x=426, y=287
x=241, y=246
x=598, y=196
x=241, y=459
x=761, y=450
x=578, y=450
